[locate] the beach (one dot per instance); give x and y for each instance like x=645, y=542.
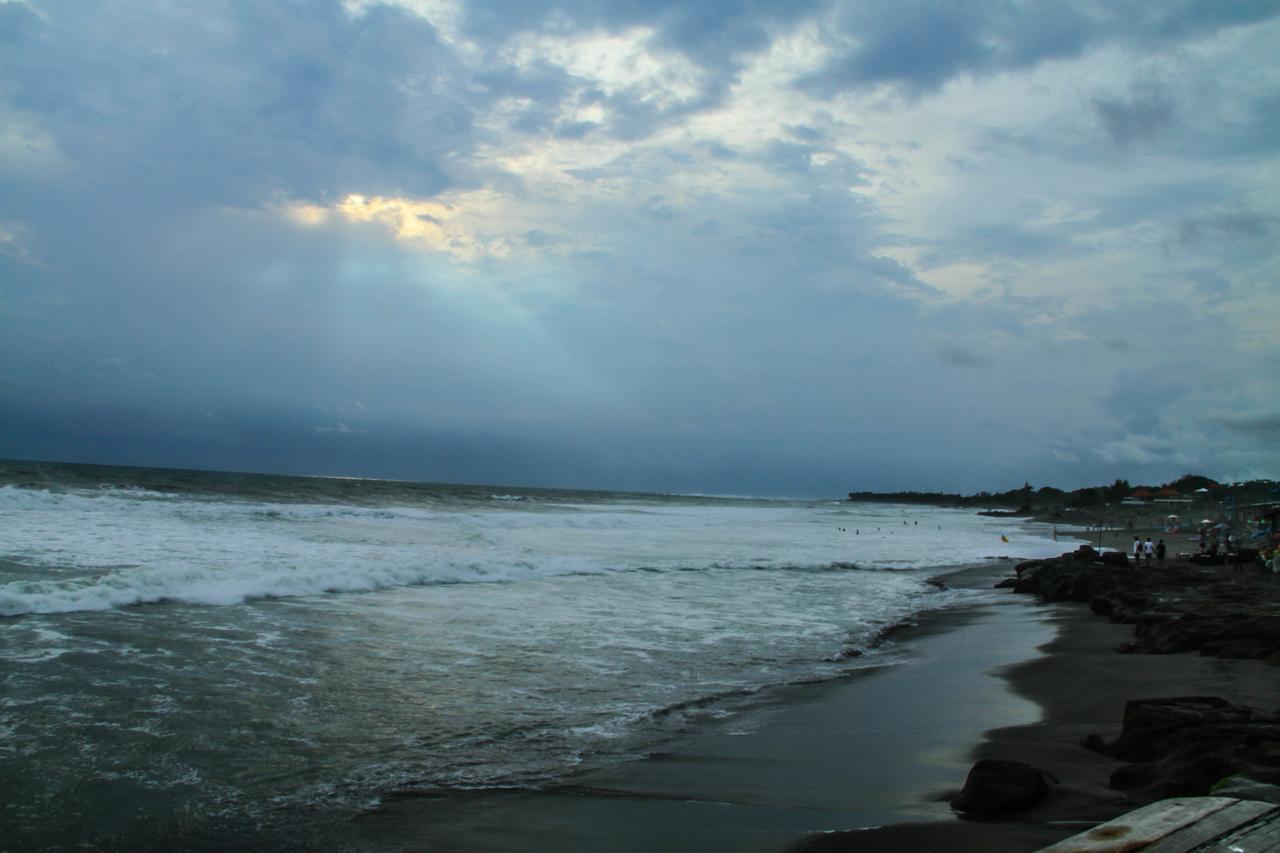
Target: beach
x=212, y=661
x=1081, y=680
x=871, y=763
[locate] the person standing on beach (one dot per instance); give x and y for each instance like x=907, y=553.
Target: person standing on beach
x=1149, y=551
x=1160, y=552
x=1137, y=553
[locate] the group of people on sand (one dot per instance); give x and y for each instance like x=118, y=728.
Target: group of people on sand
x=1213, y=541
x=1147, y=551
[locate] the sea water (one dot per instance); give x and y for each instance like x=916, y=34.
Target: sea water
x=202, y=659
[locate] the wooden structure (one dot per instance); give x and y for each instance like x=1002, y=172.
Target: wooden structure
x=1182, y=825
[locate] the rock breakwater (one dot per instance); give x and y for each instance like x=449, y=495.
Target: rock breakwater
x=1219, y=611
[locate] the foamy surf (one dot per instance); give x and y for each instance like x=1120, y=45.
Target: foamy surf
x=305, y=645
x=119, y=547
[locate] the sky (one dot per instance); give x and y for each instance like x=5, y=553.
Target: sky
x=745, y=247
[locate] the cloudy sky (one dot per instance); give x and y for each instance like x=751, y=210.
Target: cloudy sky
x=737, y=247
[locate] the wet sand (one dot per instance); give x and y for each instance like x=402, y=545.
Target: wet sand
x=1082, y=683
x=1184, y=541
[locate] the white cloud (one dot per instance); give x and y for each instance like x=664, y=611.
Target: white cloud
x=14, y=239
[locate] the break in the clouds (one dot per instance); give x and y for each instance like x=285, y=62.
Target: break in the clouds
x=742, y=247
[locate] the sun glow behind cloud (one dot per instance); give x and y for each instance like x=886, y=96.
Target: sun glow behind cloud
x=461, y=225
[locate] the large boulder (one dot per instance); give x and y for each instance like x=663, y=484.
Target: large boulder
x=1182, y=746
x=1179, y=608
x=996, y=787
x=1115, y=558
x=1084, y=552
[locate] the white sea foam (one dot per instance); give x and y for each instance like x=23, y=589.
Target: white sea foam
x=117, y=547
x=503, y=642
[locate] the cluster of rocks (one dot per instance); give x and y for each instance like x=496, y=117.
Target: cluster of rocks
x=1179, y=608
x=1180, y=746
x=1183, y=746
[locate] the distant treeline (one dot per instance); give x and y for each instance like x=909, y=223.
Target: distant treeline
x=1048, y=496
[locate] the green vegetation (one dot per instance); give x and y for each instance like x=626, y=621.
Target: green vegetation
x=1048, y=498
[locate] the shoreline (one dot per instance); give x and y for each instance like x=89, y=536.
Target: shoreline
x=872, y=748
x=868, y=762
x=1083, y=681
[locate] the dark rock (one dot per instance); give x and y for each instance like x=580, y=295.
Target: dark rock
x=1182, y=746
x=1028, y=581
x=997, y=787
x=1179, y=608
x=1115, y=558
x=1094, y=743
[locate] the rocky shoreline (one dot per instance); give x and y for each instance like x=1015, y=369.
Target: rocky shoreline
x=1163, y=682
x=1177, y=746
x=1220, y=611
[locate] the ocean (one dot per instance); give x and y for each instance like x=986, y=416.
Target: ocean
x=211, y=660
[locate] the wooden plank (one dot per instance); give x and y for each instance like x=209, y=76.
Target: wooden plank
x=1212, y=828
x=1261, y=835
x=1143, y=826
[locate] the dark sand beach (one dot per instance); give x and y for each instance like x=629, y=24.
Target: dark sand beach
x=871, y=762
x=1082, y=682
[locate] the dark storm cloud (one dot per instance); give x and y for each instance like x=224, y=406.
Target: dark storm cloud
x=954, y=354
x=713, y=34
x=1141, y=118
x=1139, y=396
x=920, y=45
x=804, y=133
x=1265, y=427
x=1236, y=227
x=243, y=100
x=1188, y=18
